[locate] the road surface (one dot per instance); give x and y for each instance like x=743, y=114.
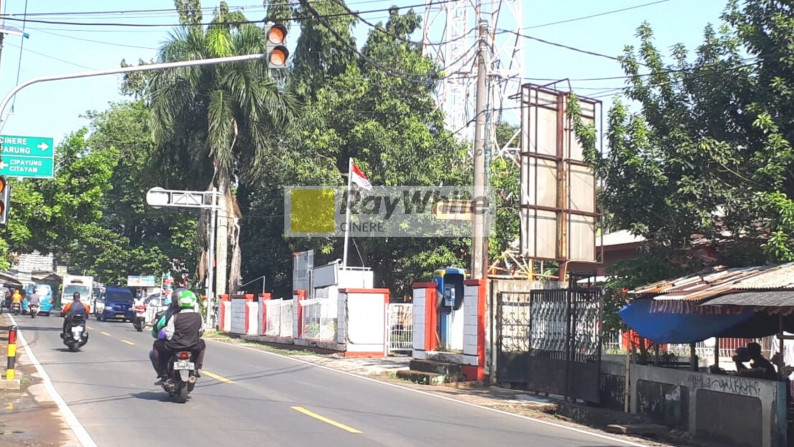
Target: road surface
x=252, y=397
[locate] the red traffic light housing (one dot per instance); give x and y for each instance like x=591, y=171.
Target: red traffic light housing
x=276, y=39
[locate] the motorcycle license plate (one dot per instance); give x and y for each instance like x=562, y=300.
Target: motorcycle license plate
x=183, y=364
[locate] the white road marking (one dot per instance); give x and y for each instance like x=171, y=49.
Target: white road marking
x=71, y=419
x=425, y=393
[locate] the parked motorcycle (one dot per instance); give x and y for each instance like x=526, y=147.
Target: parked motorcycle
x=182, y=376
x=75, y=335
x=139, y=321
x=15, y=308
x=34, y=310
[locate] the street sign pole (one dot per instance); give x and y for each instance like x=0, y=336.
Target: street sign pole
x=170, y=198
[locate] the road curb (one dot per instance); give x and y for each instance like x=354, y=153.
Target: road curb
x=65, y=412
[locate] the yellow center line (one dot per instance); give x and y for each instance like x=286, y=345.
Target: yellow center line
x=90, y=328
x=216, y=377
x=105, y=333
x=128, y=342
x=326, y=420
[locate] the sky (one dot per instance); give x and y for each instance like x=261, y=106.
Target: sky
x=56, y=109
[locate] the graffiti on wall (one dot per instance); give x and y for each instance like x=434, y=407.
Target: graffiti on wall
x=726, y=384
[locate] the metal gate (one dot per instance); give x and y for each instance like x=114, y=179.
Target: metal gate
x=549, y=340
x=400, y=329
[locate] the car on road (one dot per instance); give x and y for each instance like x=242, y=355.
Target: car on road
x=116, y=303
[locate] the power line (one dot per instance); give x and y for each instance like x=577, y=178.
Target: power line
x=242, y=22
x=567, y=47
x=51, y=57
x=404, y=75
x=395, y=36
x=98, y=41
x=670, y=70
x=19, y=60
x=170, y=11
x=594, y=15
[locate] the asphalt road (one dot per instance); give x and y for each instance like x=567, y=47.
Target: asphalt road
x=252, y=397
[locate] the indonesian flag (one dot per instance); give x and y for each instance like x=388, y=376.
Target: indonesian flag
x=358, y=177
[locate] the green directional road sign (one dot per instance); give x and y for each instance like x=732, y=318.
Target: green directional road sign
x=27, y=157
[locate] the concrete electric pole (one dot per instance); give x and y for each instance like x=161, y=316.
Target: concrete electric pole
x=479, y=265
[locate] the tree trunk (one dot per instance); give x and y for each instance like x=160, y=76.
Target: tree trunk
x=237, y=258
x=203, y=240
x=222, y=235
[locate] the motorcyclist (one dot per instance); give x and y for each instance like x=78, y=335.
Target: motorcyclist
x=16, y=297
x=179, y=331
x=72, y=308
x=33, y=300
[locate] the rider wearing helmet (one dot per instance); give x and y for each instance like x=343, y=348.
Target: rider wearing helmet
x=72, y=308
x=180, y=331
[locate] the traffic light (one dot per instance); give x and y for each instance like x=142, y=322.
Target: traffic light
x=5, y=202
x=277, y=53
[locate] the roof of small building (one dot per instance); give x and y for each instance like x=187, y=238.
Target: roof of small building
x=621, y=237
x=720, y=280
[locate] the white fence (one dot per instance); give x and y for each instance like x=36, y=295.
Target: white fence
x=279, y=318
x=400, y=327
x=612, y=344
x=318, y=323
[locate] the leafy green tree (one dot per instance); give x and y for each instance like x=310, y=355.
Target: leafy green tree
x=132, y=238
x=217, y=121
x=504, y=179
x=709, y=153
x=92, y=215
x=52, y=215
x=318, y=54
x=387, y=121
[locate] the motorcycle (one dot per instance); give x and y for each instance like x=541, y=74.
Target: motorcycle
x=15, y=308
x=139, y=321
x=75, y=335
x=34, y=310
x=182, y=376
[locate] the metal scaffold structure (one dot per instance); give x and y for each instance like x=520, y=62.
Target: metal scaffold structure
x=450, y=38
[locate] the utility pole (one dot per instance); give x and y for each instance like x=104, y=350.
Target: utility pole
x=479, y=265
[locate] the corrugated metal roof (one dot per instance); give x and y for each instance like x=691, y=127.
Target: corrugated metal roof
x=778, y=277
x=719, y=281
x=767, y=298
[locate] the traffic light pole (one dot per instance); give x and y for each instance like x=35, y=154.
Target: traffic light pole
x=151, y=67
x=120, y=70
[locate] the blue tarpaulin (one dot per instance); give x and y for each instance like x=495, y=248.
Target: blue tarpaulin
x=662, y=327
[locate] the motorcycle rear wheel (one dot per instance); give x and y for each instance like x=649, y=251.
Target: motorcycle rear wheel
x=182, y=396
x=74, y=346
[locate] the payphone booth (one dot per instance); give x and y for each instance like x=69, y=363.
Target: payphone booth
x=449, y=285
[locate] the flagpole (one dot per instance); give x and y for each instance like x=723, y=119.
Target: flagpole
x=347, y=210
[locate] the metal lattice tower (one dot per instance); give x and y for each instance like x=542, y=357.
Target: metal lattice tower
x=449, y=37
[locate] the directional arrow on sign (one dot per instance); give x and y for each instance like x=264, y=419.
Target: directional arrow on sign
x=43, y=146
x=3, y=165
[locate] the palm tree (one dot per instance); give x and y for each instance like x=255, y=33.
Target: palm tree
x=212, y=122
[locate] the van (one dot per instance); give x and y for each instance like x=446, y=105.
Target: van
x=44, y=291
x=116, y=303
